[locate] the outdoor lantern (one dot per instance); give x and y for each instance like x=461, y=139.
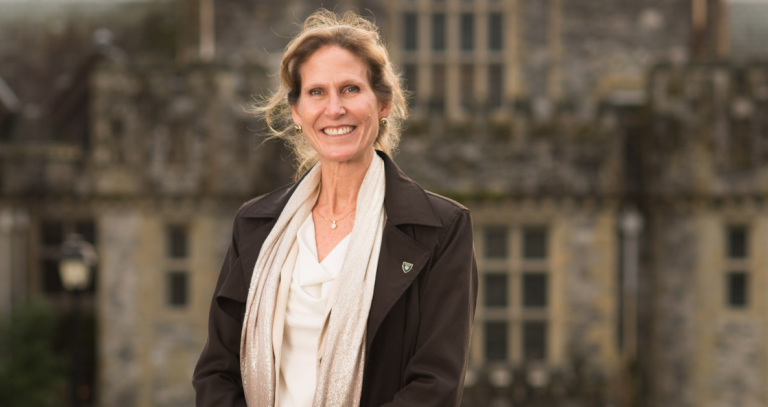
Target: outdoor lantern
x=77, y=257
x=74, y=274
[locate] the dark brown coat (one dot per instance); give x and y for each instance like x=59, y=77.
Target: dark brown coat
x=419, y=324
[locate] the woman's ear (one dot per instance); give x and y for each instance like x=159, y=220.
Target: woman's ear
x=384, y=109
x=295, y=115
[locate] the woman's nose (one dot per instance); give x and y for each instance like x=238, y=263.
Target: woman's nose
x=335, y=106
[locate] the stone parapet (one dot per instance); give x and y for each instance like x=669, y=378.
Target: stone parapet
x=708, y=132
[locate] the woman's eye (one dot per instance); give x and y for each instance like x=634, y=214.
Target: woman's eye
x=315, y=92
x=352, y=89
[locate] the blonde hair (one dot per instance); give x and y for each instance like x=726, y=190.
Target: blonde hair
x=360, y=37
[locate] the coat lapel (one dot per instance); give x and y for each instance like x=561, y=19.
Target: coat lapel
x=391, y=280
x=406, y=203
x=235, y=286
x=268, y=208
x=253, y=241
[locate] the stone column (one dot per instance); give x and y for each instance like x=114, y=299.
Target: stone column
x=117, y=316
x=207, y=30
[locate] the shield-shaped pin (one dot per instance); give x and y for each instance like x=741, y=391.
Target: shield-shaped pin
x=407, y=267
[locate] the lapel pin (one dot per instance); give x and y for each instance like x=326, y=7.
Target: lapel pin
x=407, y=267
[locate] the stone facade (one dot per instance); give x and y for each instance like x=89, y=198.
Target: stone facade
x=602, y=111
x=707, y=156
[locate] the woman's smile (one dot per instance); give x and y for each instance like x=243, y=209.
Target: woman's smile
x=339, y=130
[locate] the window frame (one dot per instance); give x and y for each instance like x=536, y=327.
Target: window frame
x=438, y=31
x=467, y=31
x=495, y=43
x=737, y=242
x=410, y=43
x=173, y=277
x=516, y=267
x=743, y=301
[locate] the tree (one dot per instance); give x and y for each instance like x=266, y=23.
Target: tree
x=31, y=373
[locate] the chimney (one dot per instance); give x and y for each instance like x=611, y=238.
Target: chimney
x=710, y=23
x=196, y=39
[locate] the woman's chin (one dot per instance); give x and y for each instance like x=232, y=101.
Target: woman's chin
x=343, y=155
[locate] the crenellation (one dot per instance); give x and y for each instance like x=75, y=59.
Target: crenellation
x=717, y=119
x=178, y=152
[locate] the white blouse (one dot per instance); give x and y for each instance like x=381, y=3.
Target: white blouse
x=305, y=312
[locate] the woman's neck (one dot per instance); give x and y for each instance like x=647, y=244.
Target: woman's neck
x=340, y=183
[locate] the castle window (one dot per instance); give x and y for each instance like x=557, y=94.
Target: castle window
x=425, y=26
x=495, y=341
x=495, y=32
x=515, y=261
x=534, y=290
x=534, y=340
x=737, y=242
x=51, y=279
x=535, y=243
x=52, y=233
x=410, y=31
x=467, y=31
x=737, y=289
x=736, y=283
x=438, y=31
x=178, y=282
x=86, y=229
x=177, y=241
x=496, y=243
x=495, y=290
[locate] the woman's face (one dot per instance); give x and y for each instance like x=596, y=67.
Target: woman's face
x=337, y=109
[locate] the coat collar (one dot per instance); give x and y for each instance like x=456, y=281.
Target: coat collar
x=405, y=201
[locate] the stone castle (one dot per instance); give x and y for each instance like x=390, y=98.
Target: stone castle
x=613, y=155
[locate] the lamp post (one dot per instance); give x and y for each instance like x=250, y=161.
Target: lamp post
x=77, y=257
x=631, y=224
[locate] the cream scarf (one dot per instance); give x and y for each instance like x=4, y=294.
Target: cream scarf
x=340, y=375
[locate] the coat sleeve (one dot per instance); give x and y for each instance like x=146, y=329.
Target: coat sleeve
x=217, y=379
x=434, y=376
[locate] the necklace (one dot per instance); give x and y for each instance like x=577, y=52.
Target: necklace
x=333, y=226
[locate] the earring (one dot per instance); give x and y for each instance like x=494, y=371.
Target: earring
x=384, y=121
x=297, y=129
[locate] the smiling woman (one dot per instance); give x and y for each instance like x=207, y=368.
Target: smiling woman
x=360, y=38
x=339, y=112
x=352, y=286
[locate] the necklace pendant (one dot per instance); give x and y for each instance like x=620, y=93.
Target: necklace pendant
x=334, y=225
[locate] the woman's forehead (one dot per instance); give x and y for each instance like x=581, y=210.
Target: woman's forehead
x=333, y=64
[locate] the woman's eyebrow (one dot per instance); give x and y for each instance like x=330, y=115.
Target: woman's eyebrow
x=341, y=83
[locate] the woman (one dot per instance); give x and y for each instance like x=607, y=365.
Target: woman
x=352, y=286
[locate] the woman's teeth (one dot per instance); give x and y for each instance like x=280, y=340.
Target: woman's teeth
x=339, y=131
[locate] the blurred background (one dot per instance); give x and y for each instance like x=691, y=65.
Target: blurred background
x=614, y=155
